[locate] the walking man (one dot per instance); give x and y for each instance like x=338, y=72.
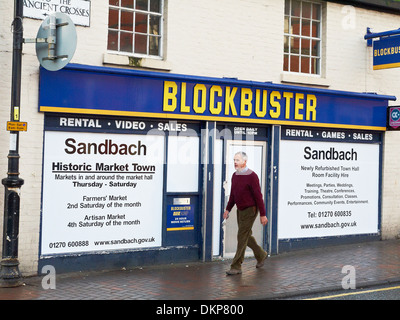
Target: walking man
x=246, y=194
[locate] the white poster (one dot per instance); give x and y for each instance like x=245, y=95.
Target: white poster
x=101, y=192
x=327, y=189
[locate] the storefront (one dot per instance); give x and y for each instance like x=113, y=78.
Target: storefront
x=137, y=165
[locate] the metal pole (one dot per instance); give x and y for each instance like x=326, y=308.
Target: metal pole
x=10, y=275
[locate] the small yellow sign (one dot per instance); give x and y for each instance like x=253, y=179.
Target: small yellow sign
x=17, y=126
x=16, y=113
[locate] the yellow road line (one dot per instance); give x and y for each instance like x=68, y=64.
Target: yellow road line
x=354, y=293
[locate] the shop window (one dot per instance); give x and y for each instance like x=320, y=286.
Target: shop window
x=302, y=37
x=135, y=27
x=183, y=164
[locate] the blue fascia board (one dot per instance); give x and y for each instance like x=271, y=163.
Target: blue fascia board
x=227, y=81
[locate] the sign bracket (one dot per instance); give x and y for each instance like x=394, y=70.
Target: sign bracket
x=44, y=40
x=370, y=35
x=51, y=39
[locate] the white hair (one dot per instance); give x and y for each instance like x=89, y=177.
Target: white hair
x=243, y=155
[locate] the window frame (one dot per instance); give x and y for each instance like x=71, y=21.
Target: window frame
x=288, y=36
x=148, y=33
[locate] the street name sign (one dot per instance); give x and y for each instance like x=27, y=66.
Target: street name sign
x=77, y=10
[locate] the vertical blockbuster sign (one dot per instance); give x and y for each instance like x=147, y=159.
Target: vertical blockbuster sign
x=386, y=53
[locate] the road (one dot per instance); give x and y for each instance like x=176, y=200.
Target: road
x=386, y=292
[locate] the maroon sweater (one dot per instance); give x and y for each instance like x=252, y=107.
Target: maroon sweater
x=246, y=192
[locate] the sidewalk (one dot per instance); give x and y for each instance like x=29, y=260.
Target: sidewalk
x=284, y=275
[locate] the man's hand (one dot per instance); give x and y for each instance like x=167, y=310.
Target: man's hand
x=263, y=220
x=226, y=214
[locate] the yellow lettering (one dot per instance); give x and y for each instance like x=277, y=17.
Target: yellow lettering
x=184, y=107
x=305, y=105
x=245, y=102
x=275, y=104
x=202, y=107
x=215, y=109
x=229, y=103
x=170, y=91
x=288, y=96
x=260, y=113
x=298, y=106
x=310, y=107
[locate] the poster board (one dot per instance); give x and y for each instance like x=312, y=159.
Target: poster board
x=101, y=192
x=328, y=183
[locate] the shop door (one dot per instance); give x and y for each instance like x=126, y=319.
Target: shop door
x=256, y=152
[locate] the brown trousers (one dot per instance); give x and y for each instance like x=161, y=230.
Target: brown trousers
x=245, y=220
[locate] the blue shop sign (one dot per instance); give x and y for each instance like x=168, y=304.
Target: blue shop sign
x=180, y=217
x=386, y=53
x=83, y=89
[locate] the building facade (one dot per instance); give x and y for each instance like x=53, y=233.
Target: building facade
x=128, y=154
